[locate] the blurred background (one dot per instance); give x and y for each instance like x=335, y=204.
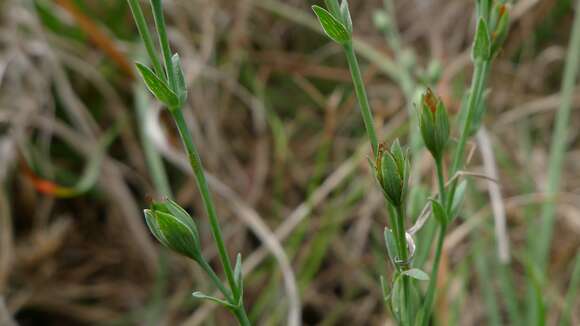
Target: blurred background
x=83, y=148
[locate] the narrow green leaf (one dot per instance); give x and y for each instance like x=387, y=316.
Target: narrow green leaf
x=332, y=26
x=385, y=290
x=417, y=274
x=345, y=12
x=481, y=43
x=202, y=296
x=158, y=87
x=397, y=297
x=391, y=245
x=238, y=274
x=439, y=212
x=458, y=198
x=180, y=86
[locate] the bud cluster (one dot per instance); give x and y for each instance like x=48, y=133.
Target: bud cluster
x=392, y=171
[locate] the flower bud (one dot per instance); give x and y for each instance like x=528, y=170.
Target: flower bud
x=434, y=124
x=174, y=228
x=392, y=171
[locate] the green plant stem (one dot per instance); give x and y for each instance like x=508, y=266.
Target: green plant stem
x=440, y=180
x=402, y=243
x=361, y=95
x=241, y=315
x=430, y=296
x=163, y=41
x=197, y=167
x=145, y=35
x=215, y=279
x=475, y=95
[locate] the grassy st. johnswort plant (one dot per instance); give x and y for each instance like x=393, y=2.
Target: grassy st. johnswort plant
x=168, y=222
x=391, y=165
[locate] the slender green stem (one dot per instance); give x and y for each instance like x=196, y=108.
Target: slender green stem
x=440, y=180
x=197, y=167
x=215, y=279
x=145, y=35
x=361, y=95
x=475, y=95
x=163, y=40
x=430, y=296
x=241, y=315
x=403, y=252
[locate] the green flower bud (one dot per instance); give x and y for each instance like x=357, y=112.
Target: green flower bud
x=434, y=124
x=174, y=228
x=392, y=171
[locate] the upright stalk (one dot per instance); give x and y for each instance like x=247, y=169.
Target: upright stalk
x=145, y=35
x=361, y=95
x=475, y=94
x=404, y=256
x=430, y=296
x=196, y=165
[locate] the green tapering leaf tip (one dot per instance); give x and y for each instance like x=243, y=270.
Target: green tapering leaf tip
x=201, y=296
x=439, y=212
x=158, y=87
x=392, y=170
x=345, y=13
x=392, y=248
x=499, y=27
x=481, y=44
x=332, y=26
x=180, y=85
x=174, y=228
x=416, y=274
x=239, y=278
x=434, y=124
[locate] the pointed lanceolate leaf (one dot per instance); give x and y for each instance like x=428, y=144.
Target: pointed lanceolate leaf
x=458, y=198
x=181, y=87
x=201, y=296
x=332, y=26
x=385, y=290
x=158, y=87
x=417, y=274
x=481, y=45
x=239, y=278
x=345, y=12
x=439, y=212
x=391, y=245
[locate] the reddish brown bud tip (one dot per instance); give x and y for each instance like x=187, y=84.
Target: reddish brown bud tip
x=430, y=100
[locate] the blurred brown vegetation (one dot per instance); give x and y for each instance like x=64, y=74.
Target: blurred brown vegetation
x=273, y=114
